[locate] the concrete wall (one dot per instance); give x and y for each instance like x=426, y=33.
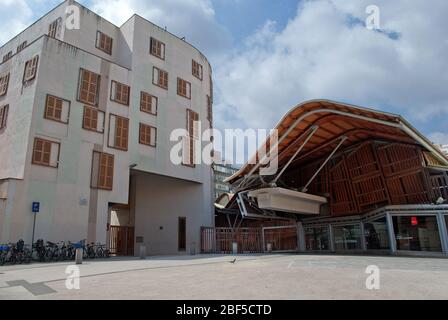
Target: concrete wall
x=15, y=138
x=160, y=201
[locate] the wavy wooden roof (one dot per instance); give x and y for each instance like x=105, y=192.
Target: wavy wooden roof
x=335, y=120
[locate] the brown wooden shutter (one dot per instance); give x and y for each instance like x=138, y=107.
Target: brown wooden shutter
x=90, y=118
x=3, y=116
x=121, y=133
x=42, y=152
x=105, y=171
x=89, y=87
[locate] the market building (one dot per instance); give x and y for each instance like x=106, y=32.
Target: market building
x=350, y=179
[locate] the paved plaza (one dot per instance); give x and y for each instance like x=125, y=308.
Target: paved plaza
x=286, y=276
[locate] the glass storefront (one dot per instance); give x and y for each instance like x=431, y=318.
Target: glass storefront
x=446, y=221
x=317, y=238
x=376, y=234
x=417, y=233
x=347, y=237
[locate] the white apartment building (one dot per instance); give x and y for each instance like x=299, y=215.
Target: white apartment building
x=85, y=122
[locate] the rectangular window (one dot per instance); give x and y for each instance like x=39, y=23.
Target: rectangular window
x=317, y=239
x=160, y=78
x=102, y=171
x=89, y=87
x=3, y=116
x=4, y=82
x=21, y=46
x=7, y=56
x=193, y=124
x=57, y=109
x=148, y=135
x=104, y=42
x=209, y=110
x=157, y=48
x=46, y=153
x=54, y=29
x=118, y=132
x=30, y=69
x=189, y=142
x=196, y=69
x=417, y=233
x=93, y=119
x=211, y=87
x=183, y=88
x=376, y=234
x=148, y=103
x=120, y=93
x=182, y=234
x=347, y=237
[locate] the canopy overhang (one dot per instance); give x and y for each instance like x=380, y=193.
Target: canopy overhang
x=325, y=124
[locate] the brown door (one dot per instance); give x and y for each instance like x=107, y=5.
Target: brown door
x=121, y=241
x=182, y=234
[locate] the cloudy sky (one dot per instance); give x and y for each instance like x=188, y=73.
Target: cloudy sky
x=269, y=55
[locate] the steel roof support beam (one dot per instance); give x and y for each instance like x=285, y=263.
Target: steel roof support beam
x=305, y=188
x=313, y=131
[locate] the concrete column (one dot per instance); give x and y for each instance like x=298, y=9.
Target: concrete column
x=301, y=237
x=443, y=232
x=363, y=237
x=330, y=236
x=391, y=232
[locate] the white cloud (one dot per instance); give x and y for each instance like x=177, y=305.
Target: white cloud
x=194, y=19
x=15, y=16
x=439, y=138
x=319, y=54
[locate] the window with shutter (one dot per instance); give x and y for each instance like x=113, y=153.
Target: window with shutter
x=157, y=48
x=89, y=86
x=4, y=82
x=30, y=69
x=189, y=151
x=93, y=119
x=120, y=93
x=3, y=116
x=7, y=56
x=148, y=103
x=45, y=153
x=104, y=42
x=148, y=135
x=183, y=88
x=54, y=28
x=118, y=132
x=57, y=109
x=209, y=110
x=160, y=78
x=102, y=171
x=21, y=46
x=197, y=69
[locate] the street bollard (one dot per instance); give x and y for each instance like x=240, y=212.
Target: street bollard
x=193, y=248
x=142, y=252
x=78, y=258
x=235, y=247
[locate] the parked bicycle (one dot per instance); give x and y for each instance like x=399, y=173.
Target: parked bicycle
x=42, y=251
x=14, y=253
